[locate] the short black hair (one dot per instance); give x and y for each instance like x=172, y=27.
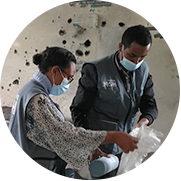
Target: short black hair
x=53, y=56
x=138, y=34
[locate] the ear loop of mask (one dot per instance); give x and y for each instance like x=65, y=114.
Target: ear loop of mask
x=53, y=77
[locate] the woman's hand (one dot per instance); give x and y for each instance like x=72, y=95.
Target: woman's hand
x=97, y=154
x=122, y=139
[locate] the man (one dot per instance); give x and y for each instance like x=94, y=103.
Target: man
x=113, y=89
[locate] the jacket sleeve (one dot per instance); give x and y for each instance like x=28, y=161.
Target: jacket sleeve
x=148, y=106
x=85, y=95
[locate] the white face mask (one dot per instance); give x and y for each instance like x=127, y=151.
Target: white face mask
x=60, y=89
x=128, y=65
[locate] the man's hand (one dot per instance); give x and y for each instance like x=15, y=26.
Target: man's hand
x=143, y=121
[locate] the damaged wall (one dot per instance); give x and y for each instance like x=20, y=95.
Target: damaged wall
x=90, y=31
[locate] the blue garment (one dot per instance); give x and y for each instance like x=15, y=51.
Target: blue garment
x=17, y=126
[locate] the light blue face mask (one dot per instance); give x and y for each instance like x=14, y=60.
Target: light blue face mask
x=60, y=89
x=128, y=65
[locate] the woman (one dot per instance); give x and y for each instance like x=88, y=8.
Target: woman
x=40, y=128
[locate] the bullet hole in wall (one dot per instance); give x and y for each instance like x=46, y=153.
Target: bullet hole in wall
x=62, y=32
x=16, y=82
x=69, y=20
x=36, y=50
x=9, y=85
x=26, y=38
x=87, y=53
x=87, y=43
x=19, y=70
x=7, y=89
x=161, y=21
x=19, y=78
x=27, y=63
x=103, y=24
x=15, y=51
x=53, y=21
x=26, y=52
x=58, y=16
x=121, y=24
x=79, y=52
x=64, y=42
x=2, y=87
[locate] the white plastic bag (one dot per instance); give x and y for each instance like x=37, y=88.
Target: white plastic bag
x=149, y=141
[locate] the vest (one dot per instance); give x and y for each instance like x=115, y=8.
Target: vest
x=17, y=127
x=114, y=108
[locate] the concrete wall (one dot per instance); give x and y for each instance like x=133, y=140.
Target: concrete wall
x=56, y=28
